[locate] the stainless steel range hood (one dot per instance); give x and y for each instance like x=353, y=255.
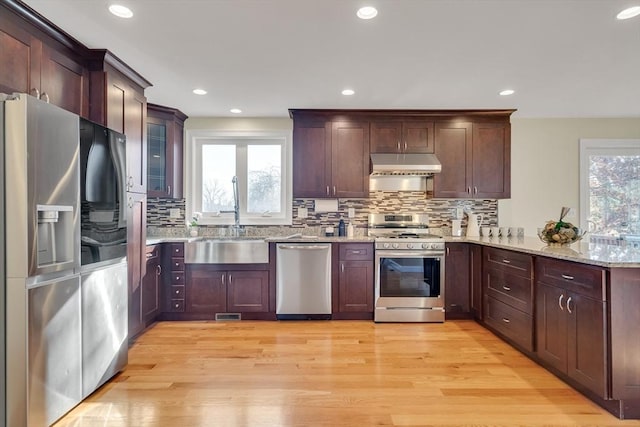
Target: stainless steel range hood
x=404, y=164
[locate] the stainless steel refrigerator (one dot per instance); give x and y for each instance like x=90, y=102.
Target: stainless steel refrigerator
x=42, y=285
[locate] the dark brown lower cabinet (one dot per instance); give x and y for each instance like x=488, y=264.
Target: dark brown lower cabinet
x=353, y=281
x=152, y=285
x=210, y=291
x=571, y=321
x=456, y=282
x=475, y=271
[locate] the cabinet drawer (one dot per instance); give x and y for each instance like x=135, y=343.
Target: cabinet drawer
x=176, y=249
x=582, y=279
x=356, y=252
x=517, y=291
x=177, y=305
x=177, y=292
x=513, y=262
x=513, y=324
x=177, y=264
x=177, y=278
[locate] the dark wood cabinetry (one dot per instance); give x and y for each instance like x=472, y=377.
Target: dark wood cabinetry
x=214, y=289
x=175, y=279
x=508, y=295
x=353, y=285
x=165, y=128
x=43, y=64
x=476, y=159
x=571, y=321
x=402, y=136
x=152, y=285
x=136, y=258
x=330, y=157
x=457, y=280
x=475, y=271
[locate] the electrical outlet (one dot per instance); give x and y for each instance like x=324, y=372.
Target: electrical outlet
x=459, y=213
x=302, y=212
x=571, y=213
x=352, y=212
x=174, y=213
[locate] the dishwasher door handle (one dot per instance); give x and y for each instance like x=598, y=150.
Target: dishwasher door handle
x=304, y=247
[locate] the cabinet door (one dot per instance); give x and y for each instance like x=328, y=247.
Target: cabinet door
x=386, y=137
x=349, y=159
x=587, y=342
x=206, y=291
x=64, y=82
x=453, y=149
x=475, y=271
x=551, y=325
x=311, y=158
x=20, y=55
x=151, y=285
x=456, y=281
x=157, y=179
x=417, y=136
x=136, y=258
x=491, y=157
x=248, y=291
x=356, y=286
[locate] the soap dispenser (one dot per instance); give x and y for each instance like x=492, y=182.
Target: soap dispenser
x=341, y=228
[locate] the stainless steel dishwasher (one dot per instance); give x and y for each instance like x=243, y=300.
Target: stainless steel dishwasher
x=303, y=280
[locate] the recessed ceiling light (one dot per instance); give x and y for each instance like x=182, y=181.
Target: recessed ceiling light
x=200, y=91
x=236, y=110
x=629, y=13
x=348, y=92
x=367, y=12
x=120, y=11
x=507, y=92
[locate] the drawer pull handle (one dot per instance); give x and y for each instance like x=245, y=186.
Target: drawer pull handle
x=506, y=288
x=506, y=261
x=566, y=276
x=505, y=320
x=560, y=302
x=177, y=250
x=177, y=292
x=355, y=252
x=568, y=307
x=177, y=305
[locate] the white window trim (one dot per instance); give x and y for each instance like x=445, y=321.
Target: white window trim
x=590, y=147
x=194, y=137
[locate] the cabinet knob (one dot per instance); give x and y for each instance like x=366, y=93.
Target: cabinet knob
x=177, y=305
x=177, y=292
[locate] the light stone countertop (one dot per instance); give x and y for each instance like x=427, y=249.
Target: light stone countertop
x=584, y=252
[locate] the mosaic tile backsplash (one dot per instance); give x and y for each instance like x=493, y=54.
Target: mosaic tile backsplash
x=440, y=211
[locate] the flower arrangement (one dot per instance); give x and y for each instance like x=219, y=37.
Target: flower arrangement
x=560, y=233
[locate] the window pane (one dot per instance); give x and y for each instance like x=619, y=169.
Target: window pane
x=218, y=168
x=614, y=195
x=264, y=171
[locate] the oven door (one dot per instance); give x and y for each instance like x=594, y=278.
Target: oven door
x=409, y=279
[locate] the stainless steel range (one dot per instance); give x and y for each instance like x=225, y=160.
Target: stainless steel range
x=409, y=269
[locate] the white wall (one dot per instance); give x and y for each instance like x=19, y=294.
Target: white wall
x=545, y=166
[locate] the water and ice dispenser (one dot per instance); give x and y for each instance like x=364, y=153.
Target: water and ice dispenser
x=55, y=244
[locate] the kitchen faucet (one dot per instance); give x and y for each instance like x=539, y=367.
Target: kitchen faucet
x=237, y=229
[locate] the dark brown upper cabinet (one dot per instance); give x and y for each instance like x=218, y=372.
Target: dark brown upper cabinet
x=407, y=136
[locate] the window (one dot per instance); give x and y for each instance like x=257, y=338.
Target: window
x=610, y=188
x=261, y=163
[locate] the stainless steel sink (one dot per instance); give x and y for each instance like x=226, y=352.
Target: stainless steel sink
x=227, y=251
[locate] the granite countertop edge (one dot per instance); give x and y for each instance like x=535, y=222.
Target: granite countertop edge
x=582, y=252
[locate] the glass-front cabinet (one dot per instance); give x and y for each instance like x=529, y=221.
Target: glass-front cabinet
x=165, y=127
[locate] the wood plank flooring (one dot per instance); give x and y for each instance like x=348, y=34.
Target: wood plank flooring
x=332, y=373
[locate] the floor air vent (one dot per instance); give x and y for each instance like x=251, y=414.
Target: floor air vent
x=227, y=316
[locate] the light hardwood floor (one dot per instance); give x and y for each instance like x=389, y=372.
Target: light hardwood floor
x=332, y=373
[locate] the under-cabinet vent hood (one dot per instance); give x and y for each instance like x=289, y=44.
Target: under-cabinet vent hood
x=405, y=164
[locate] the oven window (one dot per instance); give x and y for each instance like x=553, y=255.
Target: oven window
x=409, y=277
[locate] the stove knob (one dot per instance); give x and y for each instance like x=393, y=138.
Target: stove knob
x=395, y=246
x=385, y=245
x=409, y=245
x=425, y=246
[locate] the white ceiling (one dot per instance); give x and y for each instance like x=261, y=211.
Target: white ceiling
x=564, y=58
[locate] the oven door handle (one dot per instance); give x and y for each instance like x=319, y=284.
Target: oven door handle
x=408, y=254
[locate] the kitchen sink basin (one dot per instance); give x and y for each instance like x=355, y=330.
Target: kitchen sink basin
x=241, y=250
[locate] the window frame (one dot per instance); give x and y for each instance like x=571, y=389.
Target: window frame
x=193, y=174
x=605, y=147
